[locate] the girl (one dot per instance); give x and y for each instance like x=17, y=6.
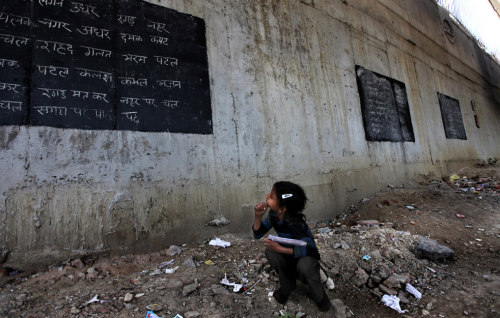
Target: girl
x=286, y=202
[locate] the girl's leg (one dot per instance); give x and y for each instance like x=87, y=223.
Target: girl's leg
x=285, y=266
x=308, y=267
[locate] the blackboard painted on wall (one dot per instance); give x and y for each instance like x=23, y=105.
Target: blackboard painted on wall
x=384, y=107
x=452, y=117
x=122, y=64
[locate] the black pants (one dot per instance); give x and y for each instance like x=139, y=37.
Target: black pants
x=289, y=269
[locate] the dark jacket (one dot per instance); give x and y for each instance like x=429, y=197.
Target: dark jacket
x=295, y=230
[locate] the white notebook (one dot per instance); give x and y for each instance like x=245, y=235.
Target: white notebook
x=287, y=240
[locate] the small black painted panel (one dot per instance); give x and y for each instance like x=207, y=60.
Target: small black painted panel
x=452, y=117
x=384, y=106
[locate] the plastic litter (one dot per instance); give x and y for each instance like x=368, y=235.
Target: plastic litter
x=367, y=257
x=454, y=177
x=209, y=262
x=393, y=302
x=178, y=316
x=412, y=290
x=219, y=222
x=171, y=270
x=236, y=287
x=93, y=300
x=410, y=207
x=458, y=215
x=165, y=264
x=219, y=242
x=174, y=249
x=329, y=283
x=151, y=314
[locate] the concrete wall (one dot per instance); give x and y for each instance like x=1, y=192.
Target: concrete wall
x=285, y=107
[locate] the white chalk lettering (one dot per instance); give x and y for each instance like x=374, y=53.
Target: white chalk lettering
x=135, y=58
x=54, y=3
x=92, y=51
x=10, y=87
x=56, y=110
x=170, y=103
x=150, y=101
x=93, y=31
x=12, y=39
x=132, y=116
x=105, y=76
x=79, y=94
x=54, y=24
x=131, y=101
x=169, y=83
x=58, y=47
x=130, y=37
x=83, y=8
x=157, y=26
x=165, y=60
x=53, y=70
x=99, y=96
x=126, y=19
x=158, y=39
x=129, y=81
x=14, y=20
x=11, y=63
x=53, y=92
x=11, y=105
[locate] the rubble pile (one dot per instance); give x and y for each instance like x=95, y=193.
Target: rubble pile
x=373, y=266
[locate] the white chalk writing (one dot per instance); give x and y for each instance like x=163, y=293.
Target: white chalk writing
x=98, y=113
x=53, y=70
x=129, y=81
x=58, y=3
x=170, y=103
x=92, y=51
x=83, y=8
x=10, y=87
x=54, y=24
x=86, y=94
x=165, y=60
x=131, y=101
x=130, y=37
x=93, y=31
x=58, y=47
x=157, y=26
x=53, y=92
x=158, y=39
x=126, y=19
x=12, y=39
x=14, y=20
x=56, y=110
x=132, y=116
x=11, y=63
x=169, y=83
x=135, y=58
x=11, y=105
x=105, y=76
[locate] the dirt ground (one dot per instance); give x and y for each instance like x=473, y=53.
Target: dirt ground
x=462, y=214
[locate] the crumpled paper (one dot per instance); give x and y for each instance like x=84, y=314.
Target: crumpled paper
x=393, y=302
x=236, y=287
x=412, y=290
x=219, y=242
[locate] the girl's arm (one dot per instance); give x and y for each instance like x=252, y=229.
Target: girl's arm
x=259, y=210
x=277, y=247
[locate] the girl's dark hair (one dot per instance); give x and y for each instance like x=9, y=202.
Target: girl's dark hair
x=293, y=197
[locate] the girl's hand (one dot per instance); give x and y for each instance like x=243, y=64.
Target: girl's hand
x=260, y=209
x=272, y=245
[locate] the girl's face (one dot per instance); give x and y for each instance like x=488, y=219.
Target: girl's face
x=272, y=201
